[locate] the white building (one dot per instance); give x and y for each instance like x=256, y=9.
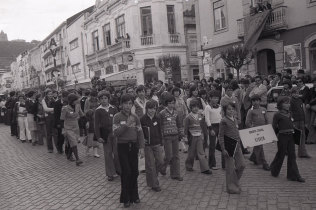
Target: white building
x=126, y=39
x=6, y=82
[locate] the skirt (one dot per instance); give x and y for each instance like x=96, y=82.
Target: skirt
x=72, y=136
x=91, y=142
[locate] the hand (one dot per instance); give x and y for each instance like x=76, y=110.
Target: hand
x=225, y=153
x=141, y=153
x=63, y=131
x=101, y=140
x=87, y=125
x=213, y=133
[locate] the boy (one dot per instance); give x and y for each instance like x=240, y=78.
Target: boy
x=257, y=116
x=153, y=142
x=171, y=132
x=130, y=140
x=192, y=129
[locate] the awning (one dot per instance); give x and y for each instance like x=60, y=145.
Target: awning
x=254, y=25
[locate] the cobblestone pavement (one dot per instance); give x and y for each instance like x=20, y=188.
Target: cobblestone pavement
x=32, y=178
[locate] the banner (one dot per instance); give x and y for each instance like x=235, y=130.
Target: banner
x=257, y=135
x=254, y=25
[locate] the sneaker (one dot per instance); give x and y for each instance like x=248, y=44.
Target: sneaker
x=72, y=159
x=266, y=167
x=189, y=169
x=96, y=155
x=177, y=178
x=110, y=178
x=214, y=168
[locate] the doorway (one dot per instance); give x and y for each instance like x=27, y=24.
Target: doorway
x=312, y=55
x=266, y=62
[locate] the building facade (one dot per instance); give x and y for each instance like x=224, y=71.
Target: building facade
x=136, y=40
x=36, y=74
x=287, y=39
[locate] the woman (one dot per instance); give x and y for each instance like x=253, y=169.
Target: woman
x=39, y=117
x=70, y=115
x=31, y=108
x=234, y=165
x=283, y=127
x=21, y=111
x=48, y=106
x=194, y=94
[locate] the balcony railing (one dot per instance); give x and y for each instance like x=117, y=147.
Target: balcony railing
x=174, y=38
x=147, y=40
x=241, y=27
x=119, y=46
x=277, y=19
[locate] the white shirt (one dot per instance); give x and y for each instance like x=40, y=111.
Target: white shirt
x=212, y=115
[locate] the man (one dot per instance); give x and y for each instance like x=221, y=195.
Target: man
x=260, y=90
x=277, y=80
x=10, y=105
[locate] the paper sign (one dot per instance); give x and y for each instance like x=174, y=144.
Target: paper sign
x=257, y=135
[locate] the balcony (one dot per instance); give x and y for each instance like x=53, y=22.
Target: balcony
x=276, y=21
x=174, y=38
x=147, y=40
x=51, y=65
x=120, y=46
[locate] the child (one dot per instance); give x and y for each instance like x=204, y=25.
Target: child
x=103, y=121
x=234, y=165
x=257, y=116
x=90, y=137
x=212, y=119
x=283, y=127
x=192, y=129
x=130, y=140
x=171, y=131
x=153, y=145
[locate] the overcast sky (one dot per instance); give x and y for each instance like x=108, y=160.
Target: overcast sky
x=36, y=19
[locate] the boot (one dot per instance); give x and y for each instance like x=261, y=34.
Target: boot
x=96, y=155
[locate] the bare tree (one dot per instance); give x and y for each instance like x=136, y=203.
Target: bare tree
x=236, y=57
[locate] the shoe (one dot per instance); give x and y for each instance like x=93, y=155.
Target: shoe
x=208, y=172
x=78, y=162
x=246, y=152
x=96, y=156
x=110, y=178
x=177, y=178
x=164, y=173
x=142, y=171
x=71, y=159
x=127, y=204
x=50, y=151
x=60, y=152
x=12, y=134
x=23, y=141
x=189, y=169
x=137, y=201
x=156, y=189
x=34, y=144
x=305, y=156
x=214, y=168
x=30, y=141
x=266, y=167
x=299, y=179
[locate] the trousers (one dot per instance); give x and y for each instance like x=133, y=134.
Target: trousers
x=301, y=148
x=258, y=155
x=111, y=159
x=49, y=120
x=211, y=152
x=128, y=156
x=196, y=149
x=24, y=131
x=171, y=145
x=153, y=164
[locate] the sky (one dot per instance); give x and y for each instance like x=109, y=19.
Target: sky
x=36, y=19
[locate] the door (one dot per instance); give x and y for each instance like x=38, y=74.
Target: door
x=266, y=62
x=312, y=55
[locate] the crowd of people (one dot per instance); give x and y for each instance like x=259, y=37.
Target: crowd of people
x=156, y=121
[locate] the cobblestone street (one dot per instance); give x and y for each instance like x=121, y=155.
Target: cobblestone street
x=32, y=178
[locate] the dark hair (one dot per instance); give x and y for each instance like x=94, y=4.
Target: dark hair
x=229, y=87
x=94, y=93
x=192, y=88
x=169, y=89
x=151, y=104
x=202, y=92
x=71, y=98
x=279, y=74
x=281, y=101
x=126, y=98
x=140, y=88
x=104, y=93
x=64, y=94
x=159, y=81
x=268, y=82
x=289, y=83
x=168, y=98
x=194, y=103
x=214, y=93
x=30, y=94
x=175, y=89
x=234, y=84
x=289, y=71
x=12, y=93
x=226, y=105
x=258, y=77
x=87, y=92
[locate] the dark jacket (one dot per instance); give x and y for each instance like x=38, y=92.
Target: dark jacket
x=58, y=105
x=151, y=129
x=103, y=122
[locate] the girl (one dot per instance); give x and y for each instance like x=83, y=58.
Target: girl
x=234, y=165
x=283, y=127
x=21, y=111
x=194, y=94
x=70, y=115
x=31, y=108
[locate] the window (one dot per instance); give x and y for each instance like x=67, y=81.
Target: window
x=196, y=74
x=109, y=69
x=149, y=62
x=219, y=9
x=95, y=41
x=75, y=68
x=120, y=26
x=193, y=47
x=171, y=19
x=311, y=3
x=107, y=35
x=73, y=44
x=147, y=28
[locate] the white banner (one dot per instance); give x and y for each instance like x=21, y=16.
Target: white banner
x=257, y=135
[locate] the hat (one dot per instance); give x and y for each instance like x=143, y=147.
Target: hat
x=72, y=97
x=255, y=97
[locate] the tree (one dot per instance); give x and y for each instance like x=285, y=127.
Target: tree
x=236, y=57
x=171, y=65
